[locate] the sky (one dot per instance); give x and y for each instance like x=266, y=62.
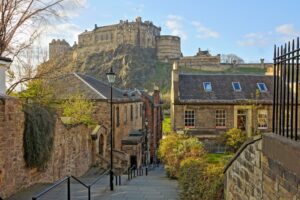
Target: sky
x=247, y=28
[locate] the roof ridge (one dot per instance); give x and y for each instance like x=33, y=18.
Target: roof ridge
x=85, y=82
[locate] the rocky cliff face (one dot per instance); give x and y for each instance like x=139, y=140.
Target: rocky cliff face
x=135, y=67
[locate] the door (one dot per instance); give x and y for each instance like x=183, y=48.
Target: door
x=242, y=119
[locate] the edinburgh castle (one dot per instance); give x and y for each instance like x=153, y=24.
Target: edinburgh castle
x=141, y=34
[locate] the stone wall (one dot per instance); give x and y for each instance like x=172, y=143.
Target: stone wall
x=71, y=151
x=264, y=168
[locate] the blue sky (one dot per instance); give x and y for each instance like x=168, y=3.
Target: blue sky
x=248, y=28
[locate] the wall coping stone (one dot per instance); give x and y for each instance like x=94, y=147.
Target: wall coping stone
x=241, y=149
x=283, y=151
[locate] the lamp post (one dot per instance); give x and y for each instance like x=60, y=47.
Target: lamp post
x=147, y=147
x=111, y=76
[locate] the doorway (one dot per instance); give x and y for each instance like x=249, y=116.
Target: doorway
x=242, y=120
x=133, y=161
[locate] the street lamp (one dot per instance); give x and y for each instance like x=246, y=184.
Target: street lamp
x=111, y=76
x=147, y=147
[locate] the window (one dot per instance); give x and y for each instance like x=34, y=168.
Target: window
x=220, y=118
x=207, y=86
x=262, y=87
x=118, y=116
x=125, y=115
x=189, y=118
x=136, y=111
x=131, y=112
x=262, y=119
x=236, y=86
x=141, y=110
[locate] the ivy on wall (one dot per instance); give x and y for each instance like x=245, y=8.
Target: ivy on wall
x=38, y=135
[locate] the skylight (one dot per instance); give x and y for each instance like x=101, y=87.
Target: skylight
x=207, y=86
x=236, y=86
x=262, y=87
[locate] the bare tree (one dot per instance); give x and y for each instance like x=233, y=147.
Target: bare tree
x=21, y=23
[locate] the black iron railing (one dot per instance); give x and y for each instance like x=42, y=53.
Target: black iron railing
x=132, y=172
x=286, y=81
x=68, y=179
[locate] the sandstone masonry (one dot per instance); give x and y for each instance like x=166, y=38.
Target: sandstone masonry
x=264, y=168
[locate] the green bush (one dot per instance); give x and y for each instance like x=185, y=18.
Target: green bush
x=174, y=148
x=38, y=135
x=234, y=138
x=200, y=180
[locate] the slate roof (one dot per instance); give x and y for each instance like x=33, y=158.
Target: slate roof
x=191, y=88
x=91, y=87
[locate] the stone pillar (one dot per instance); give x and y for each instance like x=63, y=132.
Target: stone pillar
x=174, y=92
x=4, y=63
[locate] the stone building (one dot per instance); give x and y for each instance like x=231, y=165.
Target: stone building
x=58, y=47
x=128, y=135
x=154, y=114
x=207, y=105
x=203, y=59
x=143, y=34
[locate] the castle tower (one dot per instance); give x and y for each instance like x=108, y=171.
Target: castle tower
x=58, y=47
x=168, y=47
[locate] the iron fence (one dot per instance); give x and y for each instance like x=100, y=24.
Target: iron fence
x=286, y=81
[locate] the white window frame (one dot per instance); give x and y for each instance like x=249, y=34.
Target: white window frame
x=236, y=90
x=220, y=118
x=189, y=116
x=260, y=116
x=260, y=89
x=204, y=86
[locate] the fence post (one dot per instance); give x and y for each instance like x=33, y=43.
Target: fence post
x=89, y=190
x=69, y=188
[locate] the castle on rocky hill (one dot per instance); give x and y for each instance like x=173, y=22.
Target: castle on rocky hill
x=138, y=33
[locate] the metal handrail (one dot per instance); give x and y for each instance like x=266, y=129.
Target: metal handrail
x=59, y=182
x=101, y=176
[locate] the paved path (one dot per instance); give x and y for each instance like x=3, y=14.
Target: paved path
x=154, y=186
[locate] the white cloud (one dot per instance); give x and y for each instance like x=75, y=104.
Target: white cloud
x=255, y=39
x=71, y=8
x=174, y=24
x=67, y=31
x=287, y=31
x=204, y=32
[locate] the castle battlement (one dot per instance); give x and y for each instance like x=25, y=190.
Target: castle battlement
x=58, y=47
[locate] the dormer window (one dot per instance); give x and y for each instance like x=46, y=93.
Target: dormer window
x=236, y=86
x=207, y=86
x=262, y=87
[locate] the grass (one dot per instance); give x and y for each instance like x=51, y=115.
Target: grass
x=214, y=158
x=167, y=124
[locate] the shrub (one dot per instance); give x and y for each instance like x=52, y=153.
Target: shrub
x=234, y=138
x=79, y=110
x=200, y=180
x=38, y=135
x=174, y=148
x=190, y=177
